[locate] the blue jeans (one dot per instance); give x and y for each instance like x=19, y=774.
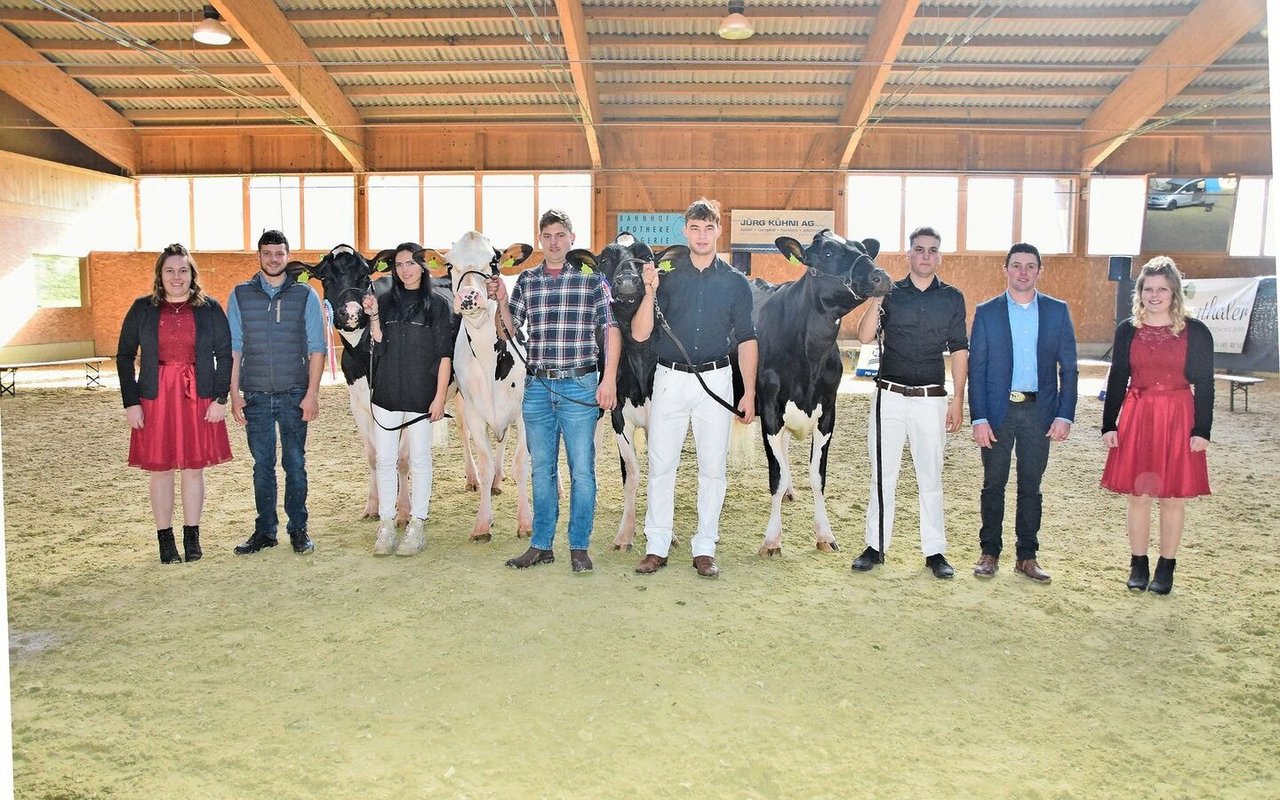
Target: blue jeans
x=546, y=418
x=263, y=411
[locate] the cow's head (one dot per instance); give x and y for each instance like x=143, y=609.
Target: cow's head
x=344, y=275
x=833, y=259
x=620, y=265
x=472, y=261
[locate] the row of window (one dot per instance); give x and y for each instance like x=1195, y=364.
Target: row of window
x=1127, y=215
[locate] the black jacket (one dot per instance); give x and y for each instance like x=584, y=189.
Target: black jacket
x=140, y=330
x=1199, y=372
x=406, y=363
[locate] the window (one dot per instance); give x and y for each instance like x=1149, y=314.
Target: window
x=394, y=212
x=329, y=211
x=571, y=193
x=1116, y=208
x=448, y=208
x=989, y=214
x=1252, y=231
x=1046, y=213
x=875, y=209
x=275, y=204
x=57, y=281
x=219, y=213
x=931, y=201
x=507, y=206
x=164, y=206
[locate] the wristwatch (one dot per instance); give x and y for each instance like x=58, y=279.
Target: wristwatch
x=220, y=400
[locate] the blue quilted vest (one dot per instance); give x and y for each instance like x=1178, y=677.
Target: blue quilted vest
x=274, y=354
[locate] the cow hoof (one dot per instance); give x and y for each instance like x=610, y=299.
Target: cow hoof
x=524, y=534
x=623, y=547
x=788, y=495
x=473, y=487
x=481, y=537
x=368, y=515
x=828, y=547
x=766, y=550
x=496, y=490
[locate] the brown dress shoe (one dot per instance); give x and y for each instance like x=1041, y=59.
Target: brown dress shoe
x=650, y=564
x=706, y=566
x=1032, y=570
x=986, y=566
x=531, y=557
x=580, y=561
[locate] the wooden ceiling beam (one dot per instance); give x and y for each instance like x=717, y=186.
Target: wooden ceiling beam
x=578, y=52
x=1208, y=31
x=398, y=90
x=25, y=75
x=261, y=25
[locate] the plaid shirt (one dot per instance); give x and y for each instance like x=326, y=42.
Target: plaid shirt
x=563, y=313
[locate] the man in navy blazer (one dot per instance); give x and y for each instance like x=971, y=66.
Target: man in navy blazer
x=1022, y=395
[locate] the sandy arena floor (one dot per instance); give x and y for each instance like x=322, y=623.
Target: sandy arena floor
x=446, y=675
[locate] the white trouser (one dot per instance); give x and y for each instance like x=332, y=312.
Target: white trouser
x=922, y=421
x=387, y=446
x=678, y=398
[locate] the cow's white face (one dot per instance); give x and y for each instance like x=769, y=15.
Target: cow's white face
x=469, y=263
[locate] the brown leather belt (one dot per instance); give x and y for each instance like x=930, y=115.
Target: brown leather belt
x=1022, y=397
x=913, y=391
x=560, y=374
x=706, y=366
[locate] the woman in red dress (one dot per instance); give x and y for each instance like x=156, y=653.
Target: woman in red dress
x=1161, y=388
x=175, y=395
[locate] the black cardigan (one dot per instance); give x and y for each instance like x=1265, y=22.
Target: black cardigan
x=141, y=329
x=1199, y=372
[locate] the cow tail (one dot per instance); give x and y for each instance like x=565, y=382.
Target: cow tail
x=744, y=444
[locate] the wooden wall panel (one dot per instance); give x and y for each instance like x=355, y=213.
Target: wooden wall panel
x=1205, y=154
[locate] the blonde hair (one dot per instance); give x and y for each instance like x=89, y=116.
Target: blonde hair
x=1164, y=267
x=197, y=296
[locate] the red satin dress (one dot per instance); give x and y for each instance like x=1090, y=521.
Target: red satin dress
x=1154, y=455
x=174, y=433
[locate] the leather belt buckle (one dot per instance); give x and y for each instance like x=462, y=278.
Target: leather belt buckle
x=1022, y=397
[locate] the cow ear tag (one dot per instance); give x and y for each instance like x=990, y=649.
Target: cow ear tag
x=304, y=276
x=433, y=264
x=795, y=260
x=665, y=266
x=381, y=266
x=508, y=263
x=585, y=270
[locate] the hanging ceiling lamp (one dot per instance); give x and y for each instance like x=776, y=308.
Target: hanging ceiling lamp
x=736, y=26
x=211, y=30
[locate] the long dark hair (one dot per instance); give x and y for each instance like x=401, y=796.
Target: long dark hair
x=410, y=302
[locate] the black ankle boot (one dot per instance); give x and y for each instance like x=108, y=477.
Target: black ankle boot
x=1139, y=573
x=191, y=543
x=1162, y=583
x=168, y=547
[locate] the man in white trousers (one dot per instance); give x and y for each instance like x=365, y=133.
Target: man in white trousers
x=707, y=306
x=921, y=319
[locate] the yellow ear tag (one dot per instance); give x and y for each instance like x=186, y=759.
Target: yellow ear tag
x=508, y=263
x=665, y=266
x=433, y=264
x=795, y=261
x=304, y=276
x=381, y=266
x=587, y=270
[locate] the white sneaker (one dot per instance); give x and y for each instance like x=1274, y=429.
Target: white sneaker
x=385, y=544
x=415, y=538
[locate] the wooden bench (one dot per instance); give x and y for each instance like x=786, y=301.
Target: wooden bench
x=92, y=372
x=1239, y=383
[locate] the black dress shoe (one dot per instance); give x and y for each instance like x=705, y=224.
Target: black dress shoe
x=531, y=557
x=301, y=542
x=258, y=541
x=869, y=558
x=938, y=563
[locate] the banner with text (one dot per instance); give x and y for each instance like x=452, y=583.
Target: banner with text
x=755, y=231
x=1225, y=305
x=655, y=230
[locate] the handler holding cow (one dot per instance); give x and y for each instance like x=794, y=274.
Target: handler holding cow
x=565, y=305
x=707, y=308
x=921, y=318
x=1022, y=395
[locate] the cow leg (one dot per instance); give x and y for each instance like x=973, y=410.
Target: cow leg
x=402, y=466
x=358, y=394
x=468, y=447
x=826, y=540
x=482, y=531
x=500, y=460
x=775, y=447
x=520, y=468
x=786, y=489
x=630, y=485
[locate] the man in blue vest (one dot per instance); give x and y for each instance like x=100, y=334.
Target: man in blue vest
x=277, y=357
x=1022, y=395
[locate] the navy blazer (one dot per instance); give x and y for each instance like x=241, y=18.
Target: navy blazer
x=991, y=362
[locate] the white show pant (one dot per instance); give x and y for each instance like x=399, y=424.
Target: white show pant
x=679, y=399
x=387, y=446
x=923, y=422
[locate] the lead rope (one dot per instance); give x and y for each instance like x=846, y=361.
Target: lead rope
x=662, y=320
x=879, y=431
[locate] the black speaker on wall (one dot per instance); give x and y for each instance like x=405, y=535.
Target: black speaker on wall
x=1119, y=268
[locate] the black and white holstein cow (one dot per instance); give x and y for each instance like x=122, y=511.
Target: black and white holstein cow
x=346, y=276
x=800, y=367
x=489, y=379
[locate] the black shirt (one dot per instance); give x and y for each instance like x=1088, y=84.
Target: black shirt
x=708, y=310
x=918, y=327
x=406, y=363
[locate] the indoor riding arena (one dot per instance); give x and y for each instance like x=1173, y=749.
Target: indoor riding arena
x=1105, y=134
